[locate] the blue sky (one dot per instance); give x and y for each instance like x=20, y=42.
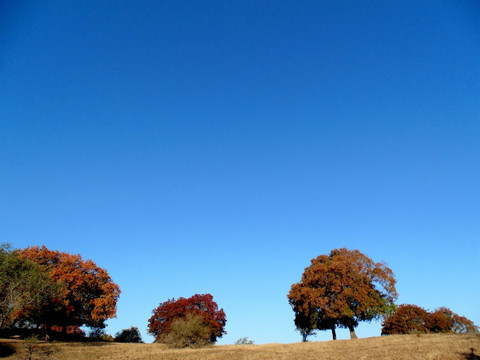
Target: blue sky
x=218, y=146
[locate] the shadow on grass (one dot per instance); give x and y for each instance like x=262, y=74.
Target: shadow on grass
x=6, y=350
x=470, y=355
x=97, y=343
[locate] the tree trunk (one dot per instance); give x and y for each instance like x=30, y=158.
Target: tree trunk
x=352, y=332
x=48, y=330
x=334, y=334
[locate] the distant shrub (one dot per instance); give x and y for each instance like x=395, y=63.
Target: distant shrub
x=96, y=333
x=100, y=335
x=33, y=349
x=410, y=319
x=244, y=341
x=131, y=335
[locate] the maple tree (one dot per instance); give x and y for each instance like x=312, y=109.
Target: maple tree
x=88, y=296
x=341, y=289
x=180, y=314
x=410, y=318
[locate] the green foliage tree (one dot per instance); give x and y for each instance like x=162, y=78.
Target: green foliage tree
x=190, y=331
x=341, y=289
x=131, y=335
x=24, y=289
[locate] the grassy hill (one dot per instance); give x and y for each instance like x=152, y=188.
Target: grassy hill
x=394, y=347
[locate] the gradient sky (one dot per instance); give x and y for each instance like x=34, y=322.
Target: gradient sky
x=218, y=146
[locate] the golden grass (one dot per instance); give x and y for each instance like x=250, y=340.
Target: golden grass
x=393, y=347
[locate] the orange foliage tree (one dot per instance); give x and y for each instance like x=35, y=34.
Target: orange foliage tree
x=88, y=295
x=341, y=289
x=199, y=306
x=407, y=319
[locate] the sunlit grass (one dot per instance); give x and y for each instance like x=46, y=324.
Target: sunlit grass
x=394, y=347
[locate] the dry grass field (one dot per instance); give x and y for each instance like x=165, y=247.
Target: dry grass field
x=394, y=347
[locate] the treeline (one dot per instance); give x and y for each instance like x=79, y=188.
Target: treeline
x=409, y=319
x=345, y=287
x=55, y=294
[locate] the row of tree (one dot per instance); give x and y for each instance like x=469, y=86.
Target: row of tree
x=55, y=292
x=345, y=287
x=409, y=319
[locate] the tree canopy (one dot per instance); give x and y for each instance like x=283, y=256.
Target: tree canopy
x=198, y=315
x=88, y=296
x=413, y=319
x=341, y=289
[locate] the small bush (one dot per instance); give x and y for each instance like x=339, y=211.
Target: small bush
x=100, y=335
x=34, y=349
x=131, y=335
x=244, y=341
x=189, y=332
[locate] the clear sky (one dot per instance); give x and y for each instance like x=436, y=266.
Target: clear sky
x=218, y=146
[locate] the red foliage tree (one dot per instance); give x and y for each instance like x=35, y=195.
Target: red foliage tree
x=159, y=325
x=413, y=319
x=441, y=320
x=341, y=289
x=88, y=294
x=463, y=325
x=407, y=319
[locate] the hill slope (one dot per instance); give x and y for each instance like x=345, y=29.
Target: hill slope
x=398, y=347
